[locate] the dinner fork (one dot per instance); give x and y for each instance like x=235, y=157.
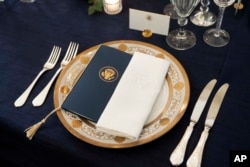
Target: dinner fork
x=70, y=54
x=49, y=64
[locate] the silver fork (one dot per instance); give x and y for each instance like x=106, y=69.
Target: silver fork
x=70, y=54
x=49, y=64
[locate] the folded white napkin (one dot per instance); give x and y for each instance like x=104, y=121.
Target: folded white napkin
x=134, y=96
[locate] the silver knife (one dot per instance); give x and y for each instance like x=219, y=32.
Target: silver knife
x=177, y=156
x=196, y=157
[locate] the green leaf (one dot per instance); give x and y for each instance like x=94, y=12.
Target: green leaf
x=91, y=10
x=98, y=5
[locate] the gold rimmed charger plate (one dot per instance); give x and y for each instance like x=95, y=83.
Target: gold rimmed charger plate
x=167, y=111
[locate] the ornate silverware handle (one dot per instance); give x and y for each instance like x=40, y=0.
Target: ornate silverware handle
x=23, y=97
x=177, y=156
x=40, y=98
x=196, y=157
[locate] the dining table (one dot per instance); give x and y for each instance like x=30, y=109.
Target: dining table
x=28, y=32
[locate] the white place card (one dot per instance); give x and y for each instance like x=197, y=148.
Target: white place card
x=142, y=20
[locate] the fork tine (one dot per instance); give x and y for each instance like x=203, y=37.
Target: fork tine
x=58, y=53
x=68, y=51
x=76, y=49
x=72, y=51
x=52, y=53
x=55, y=57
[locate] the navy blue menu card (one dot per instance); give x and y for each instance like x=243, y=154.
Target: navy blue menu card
x=95, y=86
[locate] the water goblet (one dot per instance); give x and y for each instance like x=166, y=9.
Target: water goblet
x=182, y=39
x=170, y=10
x=203, y=17
x=217, y=37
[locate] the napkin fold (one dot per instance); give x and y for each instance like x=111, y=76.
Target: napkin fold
x=131, y=103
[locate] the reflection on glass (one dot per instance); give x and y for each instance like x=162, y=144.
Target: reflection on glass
x=203, y=17
x=170, y=10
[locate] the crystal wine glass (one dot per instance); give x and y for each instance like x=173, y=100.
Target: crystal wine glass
x=170, y=10
x=182, y=39
x=217, y=37
x=203, y=17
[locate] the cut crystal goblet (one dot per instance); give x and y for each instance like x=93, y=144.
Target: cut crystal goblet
x=182, y=39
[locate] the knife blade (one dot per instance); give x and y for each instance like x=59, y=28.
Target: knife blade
x=196, y=157
x=177, y=156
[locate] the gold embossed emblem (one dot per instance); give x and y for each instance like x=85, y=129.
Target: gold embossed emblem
x=108, y=74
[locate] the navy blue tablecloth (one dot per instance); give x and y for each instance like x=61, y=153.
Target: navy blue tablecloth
x=27, y=35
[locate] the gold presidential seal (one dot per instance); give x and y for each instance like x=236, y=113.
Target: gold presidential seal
x=108, y=74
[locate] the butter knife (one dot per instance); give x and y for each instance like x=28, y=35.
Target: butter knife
x=196, y=157
x=177, y=156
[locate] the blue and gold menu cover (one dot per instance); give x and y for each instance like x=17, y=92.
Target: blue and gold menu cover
x=97, y=83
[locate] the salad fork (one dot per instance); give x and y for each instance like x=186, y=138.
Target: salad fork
x=70, y=54
x=49, y=64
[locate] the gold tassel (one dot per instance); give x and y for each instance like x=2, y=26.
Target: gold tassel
x=31, y=131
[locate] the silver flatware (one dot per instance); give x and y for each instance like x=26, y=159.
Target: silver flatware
x=177, y=156
x=49, y=64
x=70, y=54
x=196, y=157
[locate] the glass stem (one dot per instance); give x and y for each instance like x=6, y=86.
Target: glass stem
x=219, y=20
x=182, y=21
x=181, y=31
x=204, y=6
